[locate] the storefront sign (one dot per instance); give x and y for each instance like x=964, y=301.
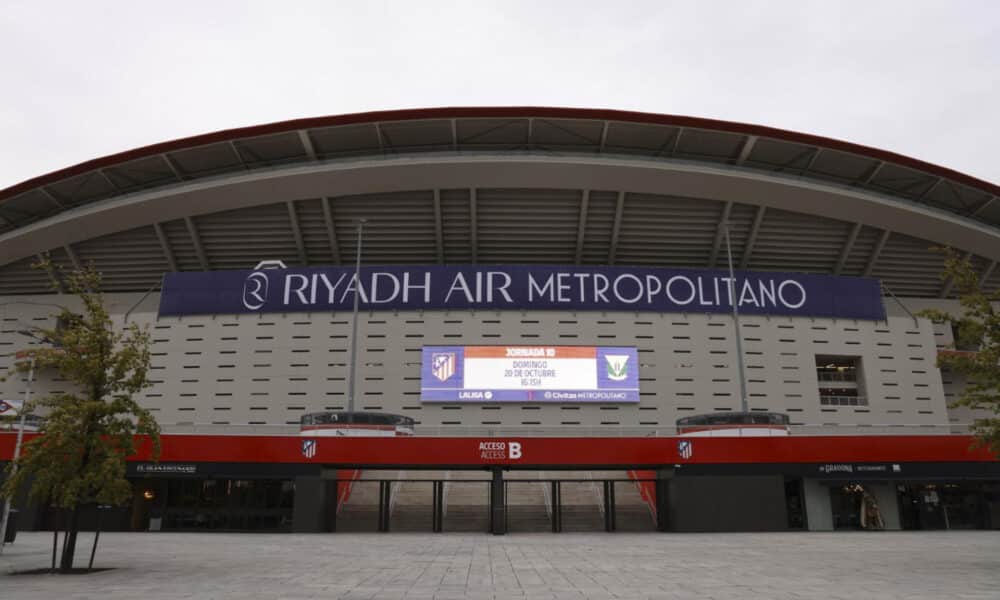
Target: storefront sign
x=520, y=287
x=529, y=374
x=859, y=469
x=166, y=468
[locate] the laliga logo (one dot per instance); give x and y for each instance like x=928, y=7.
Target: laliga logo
x=255, y=290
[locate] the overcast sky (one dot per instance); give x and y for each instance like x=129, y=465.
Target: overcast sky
x=85, y=79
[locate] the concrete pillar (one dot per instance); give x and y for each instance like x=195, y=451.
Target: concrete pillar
x=312, y=507
x=663, y=478
x=819, y=513
x=498, y=505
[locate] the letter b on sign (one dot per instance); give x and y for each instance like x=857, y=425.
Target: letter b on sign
x=514, y=450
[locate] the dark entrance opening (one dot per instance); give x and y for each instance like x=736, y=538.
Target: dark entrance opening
x=944, y=506
x=218, y=504
x=496, y=501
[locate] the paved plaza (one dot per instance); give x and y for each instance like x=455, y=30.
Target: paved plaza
x=855, y=566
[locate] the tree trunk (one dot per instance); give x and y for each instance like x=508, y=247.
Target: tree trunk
x=69, y=543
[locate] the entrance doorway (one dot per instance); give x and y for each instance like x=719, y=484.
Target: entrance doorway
x=944, y=506
x=855, y=507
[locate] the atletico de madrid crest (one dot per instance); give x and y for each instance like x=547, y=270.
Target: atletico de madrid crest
x=308, y=448
x=685, y=449
x=443, y=365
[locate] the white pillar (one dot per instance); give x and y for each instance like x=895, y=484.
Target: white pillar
x=819, y=513
x=888, y=503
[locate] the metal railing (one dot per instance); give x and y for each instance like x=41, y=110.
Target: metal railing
x=825, y=400
x=837, y=376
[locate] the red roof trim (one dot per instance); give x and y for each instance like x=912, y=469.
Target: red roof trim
x=496, y=112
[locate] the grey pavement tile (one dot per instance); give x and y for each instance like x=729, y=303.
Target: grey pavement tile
x=793, y=566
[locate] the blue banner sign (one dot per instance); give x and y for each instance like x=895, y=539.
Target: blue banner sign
x=529, y=374
x=520, y=287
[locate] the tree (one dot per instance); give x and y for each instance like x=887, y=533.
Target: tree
x=89, y=432
x=978, y=326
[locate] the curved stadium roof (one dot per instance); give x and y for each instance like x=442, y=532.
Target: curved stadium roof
x=492, y=185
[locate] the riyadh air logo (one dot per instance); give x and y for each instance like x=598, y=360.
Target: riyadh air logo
x=308, y=448
x=443, y=365
x=255, y=290
x=685, y=449
x=617, y=367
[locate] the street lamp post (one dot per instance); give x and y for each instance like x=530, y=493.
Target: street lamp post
x=17, y=451
x=736, y=322
x=354, y=324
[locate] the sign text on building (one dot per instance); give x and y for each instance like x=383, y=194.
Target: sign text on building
x=520, y=287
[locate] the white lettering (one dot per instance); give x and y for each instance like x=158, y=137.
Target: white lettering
x=515, y=450
x=502, y=290
x=766, y=293
x=701, y=293
x=670, y=288
x=652, y=280
x=331, y=288
x=298, y=291
x=395, y=287
x=730, y=289
x=638, y=285
x=459, y=284
x=748, y=292
x=781, y=293
x=355, y=287
x=426, y=287
x=599, y=290
x=581, y=278
x=561, y=287
x=533, y=288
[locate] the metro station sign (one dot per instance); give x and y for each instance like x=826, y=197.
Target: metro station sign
x=520, y=287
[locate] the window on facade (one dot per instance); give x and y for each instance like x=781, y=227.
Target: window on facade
x=840, y=380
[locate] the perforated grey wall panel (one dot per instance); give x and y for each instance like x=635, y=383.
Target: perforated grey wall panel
x=269, y=369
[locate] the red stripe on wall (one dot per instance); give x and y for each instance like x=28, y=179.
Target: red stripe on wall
x=565, y=451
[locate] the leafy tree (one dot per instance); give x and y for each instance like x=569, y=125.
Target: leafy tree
x=90, y=431
x=978, y=326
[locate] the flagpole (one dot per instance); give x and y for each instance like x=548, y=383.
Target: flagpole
x=736, y=322
x=354, y=324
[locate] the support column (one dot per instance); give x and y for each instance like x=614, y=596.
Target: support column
x=498, y=505
x=384, y=504
x=332, y=503
x=437, y=518
x=663, y=477
x=309, y=512
x=888, y=503
x=819, y=513
x=556, y=507
x=609, y=506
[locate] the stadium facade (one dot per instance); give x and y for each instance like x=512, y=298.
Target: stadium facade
x=584, y=233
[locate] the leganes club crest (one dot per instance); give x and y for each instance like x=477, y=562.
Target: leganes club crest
x=617, y=366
